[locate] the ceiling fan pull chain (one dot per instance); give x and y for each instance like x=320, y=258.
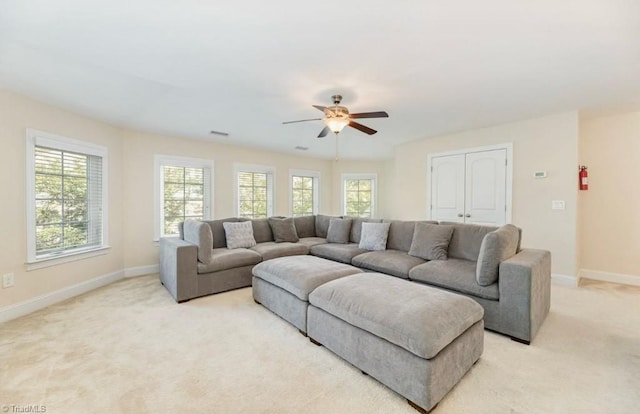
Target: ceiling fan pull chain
x=337, y=155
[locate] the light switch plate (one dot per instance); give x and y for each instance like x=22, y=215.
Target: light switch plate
x=557, y=205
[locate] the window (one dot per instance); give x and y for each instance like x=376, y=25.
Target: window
x=66, y=196
x=359, y=195
x=183, y=188
x=304, y=192
x=254, y=186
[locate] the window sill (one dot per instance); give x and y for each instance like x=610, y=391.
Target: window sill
x=66, y=258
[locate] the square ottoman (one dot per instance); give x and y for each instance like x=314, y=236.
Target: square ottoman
x=283, y=285
x=417, y=340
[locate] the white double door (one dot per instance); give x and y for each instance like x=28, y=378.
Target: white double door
x=470, y=187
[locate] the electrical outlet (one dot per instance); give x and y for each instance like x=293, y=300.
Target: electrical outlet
x=8, y=280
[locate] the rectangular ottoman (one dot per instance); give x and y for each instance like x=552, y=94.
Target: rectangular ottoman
x=417, y=340
x=283, y=285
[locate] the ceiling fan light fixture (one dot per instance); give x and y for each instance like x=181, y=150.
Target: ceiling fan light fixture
x=336, y=124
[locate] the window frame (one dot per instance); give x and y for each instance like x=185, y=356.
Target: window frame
x=160, y=161
x=315, y=175
x=271, y=187
x=374, y=190
x=36, y=138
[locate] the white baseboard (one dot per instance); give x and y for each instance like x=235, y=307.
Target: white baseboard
x=141, y=270
x=564, y=280
x=610, y=277
x=40, y=302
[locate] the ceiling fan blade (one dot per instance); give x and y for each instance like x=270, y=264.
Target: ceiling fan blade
x=303, y=120
x=324, y=132
x=326, y=110
x=379, y=114
x=362, y=128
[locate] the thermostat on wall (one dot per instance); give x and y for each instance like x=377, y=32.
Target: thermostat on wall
x=539, y=174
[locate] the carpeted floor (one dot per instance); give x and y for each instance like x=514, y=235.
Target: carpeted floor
x=130, y=348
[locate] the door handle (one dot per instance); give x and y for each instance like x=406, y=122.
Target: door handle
x=467, y=215
x=459, y=214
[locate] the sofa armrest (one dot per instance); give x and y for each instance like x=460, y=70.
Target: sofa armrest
x=179, y=268
x=525, y=288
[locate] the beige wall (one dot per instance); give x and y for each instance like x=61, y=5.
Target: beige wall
x=16, y=114
x=549, y=144
x=609, y=210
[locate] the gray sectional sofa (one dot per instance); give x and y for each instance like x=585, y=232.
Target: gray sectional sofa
x=199, y=263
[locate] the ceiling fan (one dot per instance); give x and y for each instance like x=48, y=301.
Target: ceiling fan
x=337, y=117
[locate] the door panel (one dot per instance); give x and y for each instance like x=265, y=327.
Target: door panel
x=447, y=188
x=485, y=187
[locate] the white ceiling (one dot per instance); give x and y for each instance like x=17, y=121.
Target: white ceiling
x=185, y=68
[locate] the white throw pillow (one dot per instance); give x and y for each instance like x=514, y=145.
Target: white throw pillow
x=239, y=234
x=374, y=236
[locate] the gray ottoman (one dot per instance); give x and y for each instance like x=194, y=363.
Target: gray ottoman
x=417, y=340
x=283, y=285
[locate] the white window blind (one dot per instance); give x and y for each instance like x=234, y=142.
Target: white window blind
x=66, y=197
x=183, y=191
x=255, y=192
x=304, y=192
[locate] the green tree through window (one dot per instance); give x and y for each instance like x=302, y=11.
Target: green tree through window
x=253, y=193
x=302, y=195
x=358, y=197
x=184, y=196
x=68, y=200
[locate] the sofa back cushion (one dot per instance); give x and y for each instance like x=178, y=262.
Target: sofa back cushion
x=305, y=226
x=400, y=235
x=431, y=241
x=219, y=237
x=496, y=246
x=466, y=240
x=199, y=233
x=356, y=227
x=284, y=229
x=262, y=230
x=339, y=230
x=322, y=225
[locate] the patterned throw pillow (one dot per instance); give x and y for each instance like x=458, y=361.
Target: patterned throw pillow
x=374, y=236
x=239, y=234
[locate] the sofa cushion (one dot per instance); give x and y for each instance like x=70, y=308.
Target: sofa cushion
x=271, y=250
x=262, y=230
x=305, y=226
x=284, y=229
x=466, y=240
x=312, y=241
x=322, y=225
x=400, y=235
x=338, y=252
x=458, y=275
x=223, y=259
x=431, y=241
x=356, y=227
x=339, y=230
x=239, y=234
x=418, y=318
x=199, y=233
x=374, y=236
x=496, y=246
x=392, y=262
